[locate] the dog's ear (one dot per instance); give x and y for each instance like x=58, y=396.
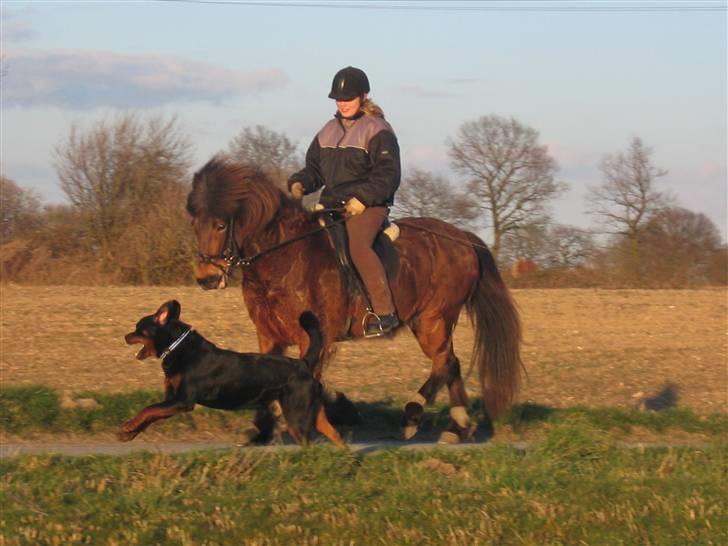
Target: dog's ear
x=168, y=311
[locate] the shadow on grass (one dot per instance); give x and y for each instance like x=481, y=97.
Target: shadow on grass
x=381, y=421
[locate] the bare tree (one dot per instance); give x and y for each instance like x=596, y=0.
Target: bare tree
x=63, y=231
x=550, y=246
x=163, y=255
x=424, y=194
x=679, y=247
x=115, y=171
x=528, y=242
x=509, y=174
x=271, y=151
x=570, y=246
x=20, y=210
x=627, y=199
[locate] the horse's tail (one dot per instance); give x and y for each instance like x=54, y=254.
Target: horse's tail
x=310, y=324
x=497, y=329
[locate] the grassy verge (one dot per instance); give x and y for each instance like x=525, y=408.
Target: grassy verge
x=573, y=487
x=38, y=409
x=27, y=410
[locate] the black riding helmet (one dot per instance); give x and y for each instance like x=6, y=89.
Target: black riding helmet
x=349, y=83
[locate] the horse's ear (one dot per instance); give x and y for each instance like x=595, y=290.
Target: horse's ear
x=168, y=311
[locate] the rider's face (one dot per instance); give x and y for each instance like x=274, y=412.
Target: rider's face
x=348, y=108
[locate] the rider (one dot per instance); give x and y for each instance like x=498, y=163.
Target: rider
x=355, y=156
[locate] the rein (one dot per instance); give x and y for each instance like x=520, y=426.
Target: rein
x=231, y=253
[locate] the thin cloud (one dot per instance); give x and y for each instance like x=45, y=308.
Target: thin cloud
x=90, y=79
x=14, y=27
x=426, y=92
x=464, y=81
x=444, y=90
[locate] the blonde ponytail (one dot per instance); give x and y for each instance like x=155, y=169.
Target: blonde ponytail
x=368, y=106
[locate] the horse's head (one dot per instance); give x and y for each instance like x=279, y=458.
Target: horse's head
x=230, y=203
x=217, y=250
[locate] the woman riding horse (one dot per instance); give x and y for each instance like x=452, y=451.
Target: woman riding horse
x=355, y=158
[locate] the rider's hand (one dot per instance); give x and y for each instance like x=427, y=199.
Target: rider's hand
x=297, y=190
x=353, y=206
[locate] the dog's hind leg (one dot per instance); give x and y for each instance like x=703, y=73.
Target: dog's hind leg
x=300, y=440
x=149, y=415
x=327, y=429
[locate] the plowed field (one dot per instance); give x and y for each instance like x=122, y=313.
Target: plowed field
x=581, y=347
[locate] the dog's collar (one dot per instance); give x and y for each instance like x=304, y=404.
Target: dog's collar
x=175, y=344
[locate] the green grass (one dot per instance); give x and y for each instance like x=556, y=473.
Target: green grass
x=524, y=416
x=38, y=409
x=574, y=487
x=571, y=485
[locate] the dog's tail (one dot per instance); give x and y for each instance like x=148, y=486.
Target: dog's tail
x=310, y=323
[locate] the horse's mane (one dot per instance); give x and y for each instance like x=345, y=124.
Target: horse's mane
x=224, y=188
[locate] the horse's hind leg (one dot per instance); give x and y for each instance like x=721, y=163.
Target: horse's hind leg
x=434, y=335
x=460, y=427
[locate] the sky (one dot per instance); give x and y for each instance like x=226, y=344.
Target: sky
x=589, y=76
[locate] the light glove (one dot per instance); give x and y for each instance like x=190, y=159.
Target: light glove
x=354, y=206
x=297, y=190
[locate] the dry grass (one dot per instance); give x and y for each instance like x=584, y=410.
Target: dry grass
x=590, y=347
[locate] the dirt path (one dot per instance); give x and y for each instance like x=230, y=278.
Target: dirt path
x=100, y=448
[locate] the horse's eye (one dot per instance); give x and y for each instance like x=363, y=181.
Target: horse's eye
x=220, y=227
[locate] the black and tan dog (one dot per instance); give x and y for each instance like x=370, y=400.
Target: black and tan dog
x=198, y=372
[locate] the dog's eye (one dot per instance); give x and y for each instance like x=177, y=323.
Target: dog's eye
x=221, y=226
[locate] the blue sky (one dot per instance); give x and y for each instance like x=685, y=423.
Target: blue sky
x=588, y=81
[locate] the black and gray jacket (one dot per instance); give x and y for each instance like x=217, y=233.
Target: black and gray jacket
x=356, y=157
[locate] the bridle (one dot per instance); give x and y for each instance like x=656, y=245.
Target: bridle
x=230, y=253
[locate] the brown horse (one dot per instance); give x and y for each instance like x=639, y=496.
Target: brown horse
x=291, y=267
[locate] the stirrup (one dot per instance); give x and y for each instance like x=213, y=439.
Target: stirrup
x=386, y=324
x=365, y=321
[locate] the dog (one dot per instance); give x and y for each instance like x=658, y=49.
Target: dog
x=198, y=372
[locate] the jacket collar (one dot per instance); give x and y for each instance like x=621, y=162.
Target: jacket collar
x=338, y=115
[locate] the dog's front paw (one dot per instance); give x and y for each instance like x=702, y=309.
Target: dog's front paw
x=126, y=433
x=124, y=436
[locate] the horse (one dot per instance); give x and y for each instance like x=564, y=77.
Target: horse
x=239, y=217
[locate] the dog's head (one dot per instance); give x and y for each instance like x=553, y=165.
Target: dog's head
x=153, y=331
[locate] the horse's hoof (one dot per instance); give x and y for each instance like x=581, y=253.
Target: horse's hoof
x=413, y=412
x=447, y=437
x=468, y=433
x=409, y=431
